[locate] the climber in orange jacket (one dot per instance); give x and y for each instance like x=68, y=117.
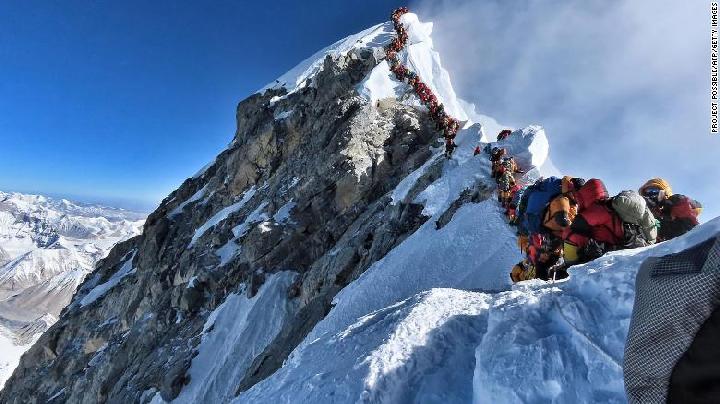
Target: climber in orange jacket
x=559, y=215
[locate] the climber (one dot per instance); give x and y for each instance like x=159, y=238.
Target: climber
x=677, y=213
x=639, y=224
x=496, y=159
x=452, y=128
x=496, y=153
x=522, y=271
x=570, y=184
x=543, y=260
x=506, y=182
x=544, y=252
x=503, y=134
x=450, y=147
x=533, y=202
x=513, y=208
x=597, y=228
x=505, y=177
x=559, y=214
x=510, y=206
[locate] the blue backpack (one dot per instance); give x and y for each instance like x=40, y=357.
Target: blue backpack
x=534, y=200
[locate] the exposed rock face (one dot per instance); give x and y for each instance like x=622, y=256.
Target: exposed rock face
x=303, y=187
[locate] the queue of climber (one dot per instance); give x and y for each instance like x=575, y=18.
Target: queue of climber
x=567, y=221
x=444, y=123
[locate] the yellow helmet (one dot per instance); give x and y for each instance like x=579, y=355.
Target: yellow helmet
x=658, y=183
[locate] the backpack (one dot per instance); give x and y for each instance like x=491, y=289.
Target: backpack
x=559, y=208
x=506, y=181
x=684, y=207
x=538, y=197
x=633, y=236
x=633, y=210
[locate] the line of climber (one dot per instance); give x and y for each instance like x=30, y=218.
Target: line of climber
x=448, y=125
x=567, y=221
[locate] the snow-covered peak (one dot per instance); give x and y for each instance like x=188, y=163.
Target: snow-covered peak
x=531, y=150
x=299, y=76
x=420, y=57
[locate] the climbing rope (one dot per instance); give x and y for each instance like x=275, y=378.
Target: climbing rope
x=448, y=125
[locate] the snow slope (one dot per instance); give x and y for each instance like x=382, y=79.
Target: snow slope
x=47, y=246
x=235, y=333
x=534, y=343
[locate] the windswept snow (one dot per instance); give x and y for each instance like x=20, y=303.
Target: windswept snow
x=222, y=215
x=194, y=198
x=234, y=334
x=99, y=291
x=283, y=214
x=279, y=116
x=299, y=76
x=420, y=57
x=252, y=219
x=380, y=84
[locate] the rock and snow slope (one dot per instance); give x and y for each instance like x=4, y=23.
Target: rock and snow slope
x=332, y=255
x=47, y=246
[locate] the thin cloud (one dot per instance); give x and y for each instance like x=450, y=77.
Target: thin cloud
x=621, y=86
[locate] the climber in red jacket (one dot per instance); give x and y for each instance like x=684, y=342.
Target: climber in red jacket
x=503, y=134
x=677, y=213
x=596, y=228
x=450, y=147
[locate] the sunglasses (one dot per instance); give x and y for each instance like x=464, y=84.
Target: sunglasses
x=651, y=192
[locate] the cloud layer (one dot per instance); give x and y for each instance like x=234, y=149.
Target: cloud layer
x=621, y=86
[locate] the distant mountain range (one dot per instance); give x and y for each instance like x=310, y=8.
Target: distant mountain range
x=47, y=246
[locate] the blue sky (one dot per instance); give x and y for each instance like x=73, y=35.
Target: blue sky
x=121, y=101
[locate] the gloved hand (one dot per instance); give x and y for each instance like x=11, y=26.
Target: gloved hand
x=593, y=249
x=558, y=270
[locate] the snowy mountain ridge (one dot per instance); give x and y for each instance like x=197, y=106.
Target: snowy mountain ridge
x=332, y=254
x=47, y=246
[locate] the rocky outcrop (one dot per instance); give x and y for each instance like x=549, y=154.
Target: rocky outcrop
x=303, y=187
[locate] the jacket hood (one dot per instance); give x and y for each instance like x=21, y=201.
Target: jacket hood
x=594, y=190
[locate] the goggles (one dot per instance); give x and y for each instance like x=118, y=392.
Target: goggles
x=651, y=192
